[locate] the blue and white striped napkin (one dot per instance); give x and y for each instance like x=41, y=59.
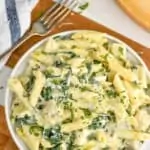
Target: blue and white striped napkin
x=15, y=18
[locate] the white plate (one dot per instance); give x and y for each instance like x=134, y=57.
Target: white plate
x=21, y=65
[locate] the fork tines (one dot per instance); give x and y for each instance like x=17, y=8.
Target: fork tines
x=58, y=12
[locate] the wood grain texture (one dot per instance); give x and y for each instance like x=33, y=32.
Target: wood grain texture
x=73, y=22
x=139, y=10
x=6, y=142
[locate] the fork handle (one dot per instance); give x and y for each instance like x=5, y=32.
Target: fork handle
x=25, y=37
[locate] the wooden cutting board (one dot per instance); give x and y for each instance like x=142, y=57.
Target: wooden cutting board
x=139, y=10
x=72, y=22
x=6, y=142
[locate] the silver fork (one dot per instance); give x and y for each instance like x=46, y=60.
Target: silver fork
x=42, y=27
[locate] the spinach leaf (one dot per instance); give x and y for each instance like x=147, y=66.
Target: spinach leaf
x=92, y=136
x=106, y=45
x=89, y=67
x=49, y=74
x=40, y=106
x=59, y=64
x=57, y=37
x=71, y=141
x=30, y=83
x=99, y=122
x=84, y=6
x=67, y=105
x=96, y=61
x=53, y=135
x=71, y=54
x=46, y=93
x=36, y=130
x=91, y=78
x=83, y=78
x=66, y=83
x=19, y=121
x=112, y=116
x=147, y=90
x=133, y=67
x=56, y=147
x=129, y=110
x=120, y=49
x=111, y=93
x=106, y=148
x=86, y=112
x=68, y=120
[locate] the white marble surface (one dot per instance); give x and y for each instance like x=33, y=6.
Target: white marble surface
x=106, y=12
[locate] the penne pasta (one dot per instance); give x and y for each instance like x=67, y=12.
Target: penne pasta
x=37, y=87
